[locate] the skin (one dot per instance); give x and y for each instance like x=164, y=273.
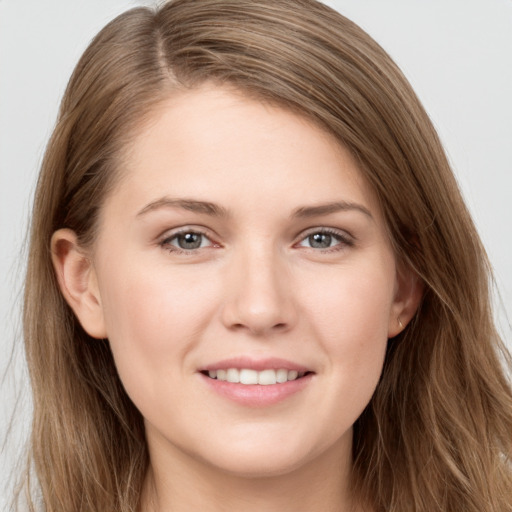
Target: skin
x=258, y=287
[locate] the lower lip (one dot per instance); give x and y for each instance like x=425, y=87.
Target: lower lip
x=257, y=395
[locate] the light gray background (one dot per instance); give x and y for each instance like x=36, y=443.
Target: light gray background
x=456, y=53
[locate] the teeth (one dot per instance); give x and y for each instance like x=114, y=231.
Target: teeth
x=267, y=377
x=292, y=375
x=281, y=376
x=249, y=377
x=233, y=375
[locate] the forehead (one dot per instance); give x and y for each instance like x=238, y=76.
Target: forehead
x=214, y=142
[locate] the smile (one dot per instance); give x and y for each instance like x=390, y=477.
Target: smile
x=256, y=382
x=251, y=377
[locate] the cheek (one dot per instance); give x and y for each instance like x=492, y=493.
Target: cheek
x=151, y=305
x=354, y=304
x=351, y=321
x=153, y=319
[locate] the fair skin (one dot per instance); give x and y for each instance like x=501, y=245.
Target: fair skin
x=241, y=236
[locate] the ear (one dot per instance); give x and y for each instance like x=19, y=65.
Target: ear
x=408, y=294
x=77, y=281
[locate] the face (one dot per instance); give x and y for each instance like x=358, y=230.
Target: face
x=243, y=244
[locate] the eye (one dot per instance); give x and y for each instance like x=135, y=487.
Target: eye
x=188, y=240
x=326, y=239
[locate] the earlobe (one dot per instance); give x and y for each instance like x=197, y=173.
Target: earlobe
x=77, y=281
x=408, y=294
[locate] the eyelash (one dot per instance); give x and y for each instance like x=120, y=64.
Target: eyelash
x=165, y=243
x=344, y=240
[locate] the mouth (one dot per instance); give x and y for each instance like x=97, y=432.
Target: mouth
x=250, y=377
x=256, y=381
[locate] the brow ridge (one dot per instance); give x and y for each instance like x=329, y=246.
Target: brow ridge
x=209, y=208
x=193, y=205
x=328, y=208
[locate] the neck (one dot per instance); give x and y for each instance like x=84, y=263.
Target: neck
x=186, y=484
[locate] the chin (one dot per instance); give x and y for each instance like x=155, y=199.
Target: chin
x=262, y=465
x=265, y=458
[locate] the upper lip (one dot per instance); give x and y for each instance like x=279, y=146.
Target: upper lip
x=250, y=363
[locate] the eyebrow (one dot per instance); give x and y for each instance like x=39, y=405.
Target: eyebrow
x=192, y=205
x=214, y=210
x=328, y=208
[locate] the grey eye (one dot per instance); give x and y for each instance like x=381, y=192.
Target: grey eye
x=189, y=241
x=186, y=241
x=320, y=240
x=326, y=239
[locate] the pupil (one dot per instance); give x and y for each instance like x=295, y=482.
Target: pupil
x=320, y=240
x=189, y=241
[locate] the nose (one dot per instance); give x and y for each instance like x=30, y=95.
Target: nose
x=259, y=298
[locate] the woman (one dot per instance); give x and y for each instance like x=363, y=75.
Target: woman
x=252, y=280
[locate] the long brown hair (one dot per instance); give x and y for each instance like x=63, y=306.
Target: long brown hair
x=437, y=434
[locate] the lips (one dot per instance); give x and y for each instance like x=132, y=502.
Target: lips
x=268, y=363
x=256, y=383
